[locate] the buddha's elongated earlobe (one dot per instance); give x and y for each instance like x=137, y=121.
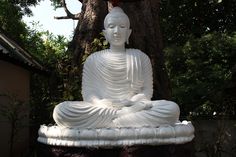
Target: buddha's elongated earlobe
x=128, y=35
x=105, y=34
x=127, y=41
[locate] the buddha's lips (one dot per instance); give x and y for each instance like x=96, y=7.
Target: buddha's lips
x=117, y=37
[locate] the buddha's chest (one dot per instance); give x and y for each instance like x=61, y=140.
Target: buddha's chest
x=113, y=65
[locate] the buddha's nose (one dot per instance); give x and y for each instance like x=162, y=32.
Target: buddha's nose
x=116, y=30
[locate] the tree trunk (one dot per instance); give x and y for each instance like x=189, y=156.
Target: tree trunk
x=146, y=36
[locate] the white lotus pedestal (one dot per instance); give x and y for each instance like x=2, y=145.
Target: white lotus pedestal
x=163, y=141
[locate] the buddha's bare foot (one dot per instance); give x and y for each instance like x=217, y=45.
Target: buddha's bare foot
x=148, y=104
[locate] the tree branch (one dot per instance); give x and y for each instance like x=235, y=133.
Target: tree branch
x=69, y=15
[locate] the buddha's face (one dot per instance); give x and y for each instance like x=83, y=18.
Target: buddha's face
x=117, y=30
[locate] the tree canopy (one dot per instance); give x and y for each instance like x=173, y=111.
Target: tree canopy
x=182, y=19
x=11, y=14
x=199, y=38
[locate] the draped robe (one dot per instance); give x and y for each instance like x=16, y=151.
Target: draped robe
x=115, y=76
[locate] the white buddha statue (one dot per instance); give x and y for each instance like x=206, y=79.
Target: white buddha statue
x=116, y=86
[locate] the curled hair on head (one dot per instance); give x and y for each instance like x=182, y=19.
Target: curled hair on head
x=116, y=11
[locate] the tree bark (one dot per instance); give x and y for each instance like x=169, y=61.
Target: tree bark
x=146, y=36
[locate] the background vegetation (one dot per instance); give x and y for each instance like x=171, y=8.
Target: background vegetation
x=200, y=48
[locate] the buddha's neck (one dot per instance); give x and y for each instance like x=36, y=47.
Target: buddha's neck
x=114, y=48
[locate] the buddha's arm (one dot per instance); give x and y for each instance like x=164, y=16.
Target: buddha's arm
x=91, y=83
x=95, y=99
x=146, y=91
x=90, y=80
x=136, y=107
x=141, y=101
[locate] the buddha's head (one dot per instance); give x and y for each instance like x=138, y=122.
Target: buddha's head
x=117, y=27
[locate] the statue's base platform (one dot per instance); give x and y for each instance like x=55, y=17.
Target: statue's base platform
x=180, y=150
x=179, y=133
x=162, y=141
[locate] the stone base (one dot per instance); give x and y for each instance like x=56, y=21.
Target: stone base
x=179, y=133
x=181, y=150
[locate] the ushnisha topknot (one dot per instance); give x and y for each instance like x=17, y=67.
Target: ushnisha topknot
x=116, y=12
x=116, y=9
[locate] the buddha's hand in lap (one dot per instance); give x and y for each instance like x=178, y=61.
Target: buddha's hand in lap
x=136, y=107
x=103, y=102
x=139, y=97
x=109, y=103
x=123, y=103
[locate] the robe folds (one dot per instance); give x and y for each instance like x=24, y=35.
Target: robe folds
x=115, y=76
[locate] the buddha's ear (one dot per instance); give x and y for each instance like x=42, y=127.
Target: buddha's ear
x=128, y=35
x=105, y=34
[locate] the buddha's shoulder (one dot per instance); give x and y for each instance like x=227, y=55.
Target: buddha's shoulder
x=136, y=52
x=102, y=53
x=99, y=53
x=96, y=54
x=132, y=50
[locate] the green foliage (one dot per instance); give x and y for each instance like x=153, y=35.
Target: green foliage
x=61, y=82
x=183, y=19
x=44, y=45
x=200, y=71
x=98, y=44
x=199, y=60
x=56, y=3
x=11, y=13
x=11, y=20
